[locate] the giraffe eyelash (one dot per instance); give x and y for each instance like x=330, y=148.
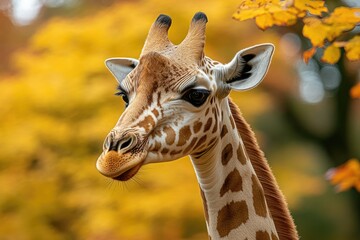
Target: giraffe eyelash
x=121, y=92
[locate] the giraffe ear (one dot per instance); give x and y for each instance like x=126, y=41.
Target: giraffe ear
x=248, y=67
x=121, y=67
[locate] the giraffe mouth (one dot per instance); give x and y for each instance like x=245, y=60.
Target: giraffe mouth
x=128, y=174
x=119, y=167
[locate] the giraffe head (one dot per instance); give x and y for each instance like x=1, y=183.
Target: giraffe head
x=173, y=95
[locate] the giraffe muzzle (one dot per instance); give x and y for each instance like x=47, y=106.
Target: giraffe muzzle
x=123, y=155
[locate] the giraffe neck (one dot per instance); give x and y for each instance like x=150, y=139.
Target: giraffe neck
x=234, y=201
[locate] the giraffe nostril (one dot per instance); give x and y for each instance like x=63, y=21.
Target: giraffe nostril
x=119, y=144
x=123, y=145
x=107, y=143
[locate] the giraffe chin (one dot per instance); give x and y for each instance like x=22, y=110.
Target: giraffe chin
x=127, y=175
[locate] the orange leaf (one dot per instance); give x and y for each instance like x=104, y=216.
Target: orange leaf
x=355, y=91
x=331, y=54
x=308, y=54
x=345, y=176
x=352, y=49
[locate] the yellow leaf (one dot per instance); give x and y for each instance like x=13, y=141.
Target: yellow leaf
x=355, y=91
x=275, y=7
x=346, y=175
x=264, y=21
x=309, y=54
x=344, y=15
x=331, y=54
x=315, y=31
x=246, y=14
x=336, y=30
x=287, y=3
x=352, y=49
x=267, y=13
x=248, y=4
x=301, y=14
x=249, y=9
x=341, y=20
x=315, y=7
x=284, y=18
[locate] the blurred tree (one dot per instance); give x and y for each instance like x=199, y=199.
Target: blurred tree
x=12, y=36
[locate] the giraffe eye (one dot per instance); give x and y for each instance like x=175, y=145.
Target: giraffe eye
x=196, y=96
x=124, y=96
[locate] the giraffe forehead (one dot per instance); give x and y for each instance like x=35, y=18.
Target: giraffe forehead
x=167, y=73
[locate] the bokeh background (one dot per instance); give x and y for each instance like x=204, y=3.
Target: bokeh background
x=57, y=105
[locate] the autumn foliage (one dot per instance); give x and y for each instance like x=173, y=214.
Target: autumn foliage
x=355, y=91
x=346, y=175
x=323, y=28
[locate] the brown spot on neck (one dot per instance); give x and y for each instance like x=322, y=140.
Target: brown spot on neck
x=258, y=197
x=164, y=151
x=231, y=216
x=241, y=155
x=224, y=131
x=233, y=183
x=226, y=154
x=262, y=235
x=156, y=147
x=274, y=237
x=175, y=152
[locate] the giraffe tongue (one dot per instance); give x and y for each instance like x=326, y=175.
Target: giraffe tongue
x=128, y=174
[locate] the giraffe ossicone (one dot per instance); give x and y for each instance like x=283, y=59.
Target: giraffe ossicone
x=178, y=105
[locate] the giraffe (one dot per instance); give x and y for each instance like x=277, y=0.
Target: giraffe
x=177, y=104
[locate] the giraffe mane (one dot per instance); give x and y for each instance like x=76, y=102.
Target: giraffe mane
x=276, y=202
